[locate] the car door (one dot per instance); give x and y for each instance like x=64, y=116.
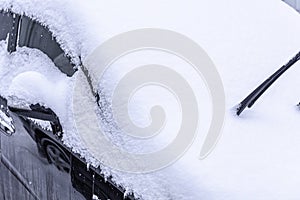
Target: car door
x=26, y=172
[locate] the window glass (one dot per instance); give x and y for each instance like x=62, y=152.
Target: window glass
x=34, y=35
x=6, y=21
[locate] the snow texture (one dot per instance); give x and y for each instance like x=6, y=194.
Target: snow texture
x=258, y=156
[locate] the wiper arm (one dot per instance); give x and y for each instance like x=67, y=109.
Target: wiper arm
x=253, y=96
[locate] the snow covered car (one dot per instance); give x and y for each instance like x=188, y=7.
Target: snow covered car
x=256, y=158
x=44, y=128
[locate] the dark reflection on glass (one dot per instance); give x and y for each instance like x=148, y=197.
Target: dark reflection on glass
x=51, y=169
x=34, y=35
x=43, y=177
x=34, y=162
x=6, y=21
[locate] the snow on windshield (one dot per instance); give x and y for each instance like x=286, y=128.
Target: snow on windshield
x=258, y=154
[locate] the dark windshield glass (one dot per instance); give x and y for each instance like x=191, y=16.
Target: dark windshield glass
x=34, y=35
x=6, y=21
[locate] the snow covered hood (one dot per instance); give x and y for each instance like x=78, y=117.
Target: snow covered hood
x=258, y=154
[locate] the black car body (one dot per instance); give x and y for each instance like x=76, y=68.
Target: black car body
x=39, y=147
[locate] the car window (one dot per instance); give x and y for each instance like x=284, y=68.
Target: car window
x=34, y=35
x=6, y=21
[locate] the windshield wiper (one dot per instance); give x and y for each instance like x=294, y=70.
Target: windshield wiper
x=253, y=96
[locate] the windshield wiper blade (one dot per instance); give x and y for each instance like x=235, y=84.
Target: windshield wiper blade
x=253, y=96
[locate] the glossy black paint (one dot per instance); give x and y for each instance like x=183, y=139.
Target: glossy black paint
x=47, y=144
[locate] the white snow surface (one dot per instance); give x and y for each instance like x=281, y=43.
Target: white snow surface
x=258, y=155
